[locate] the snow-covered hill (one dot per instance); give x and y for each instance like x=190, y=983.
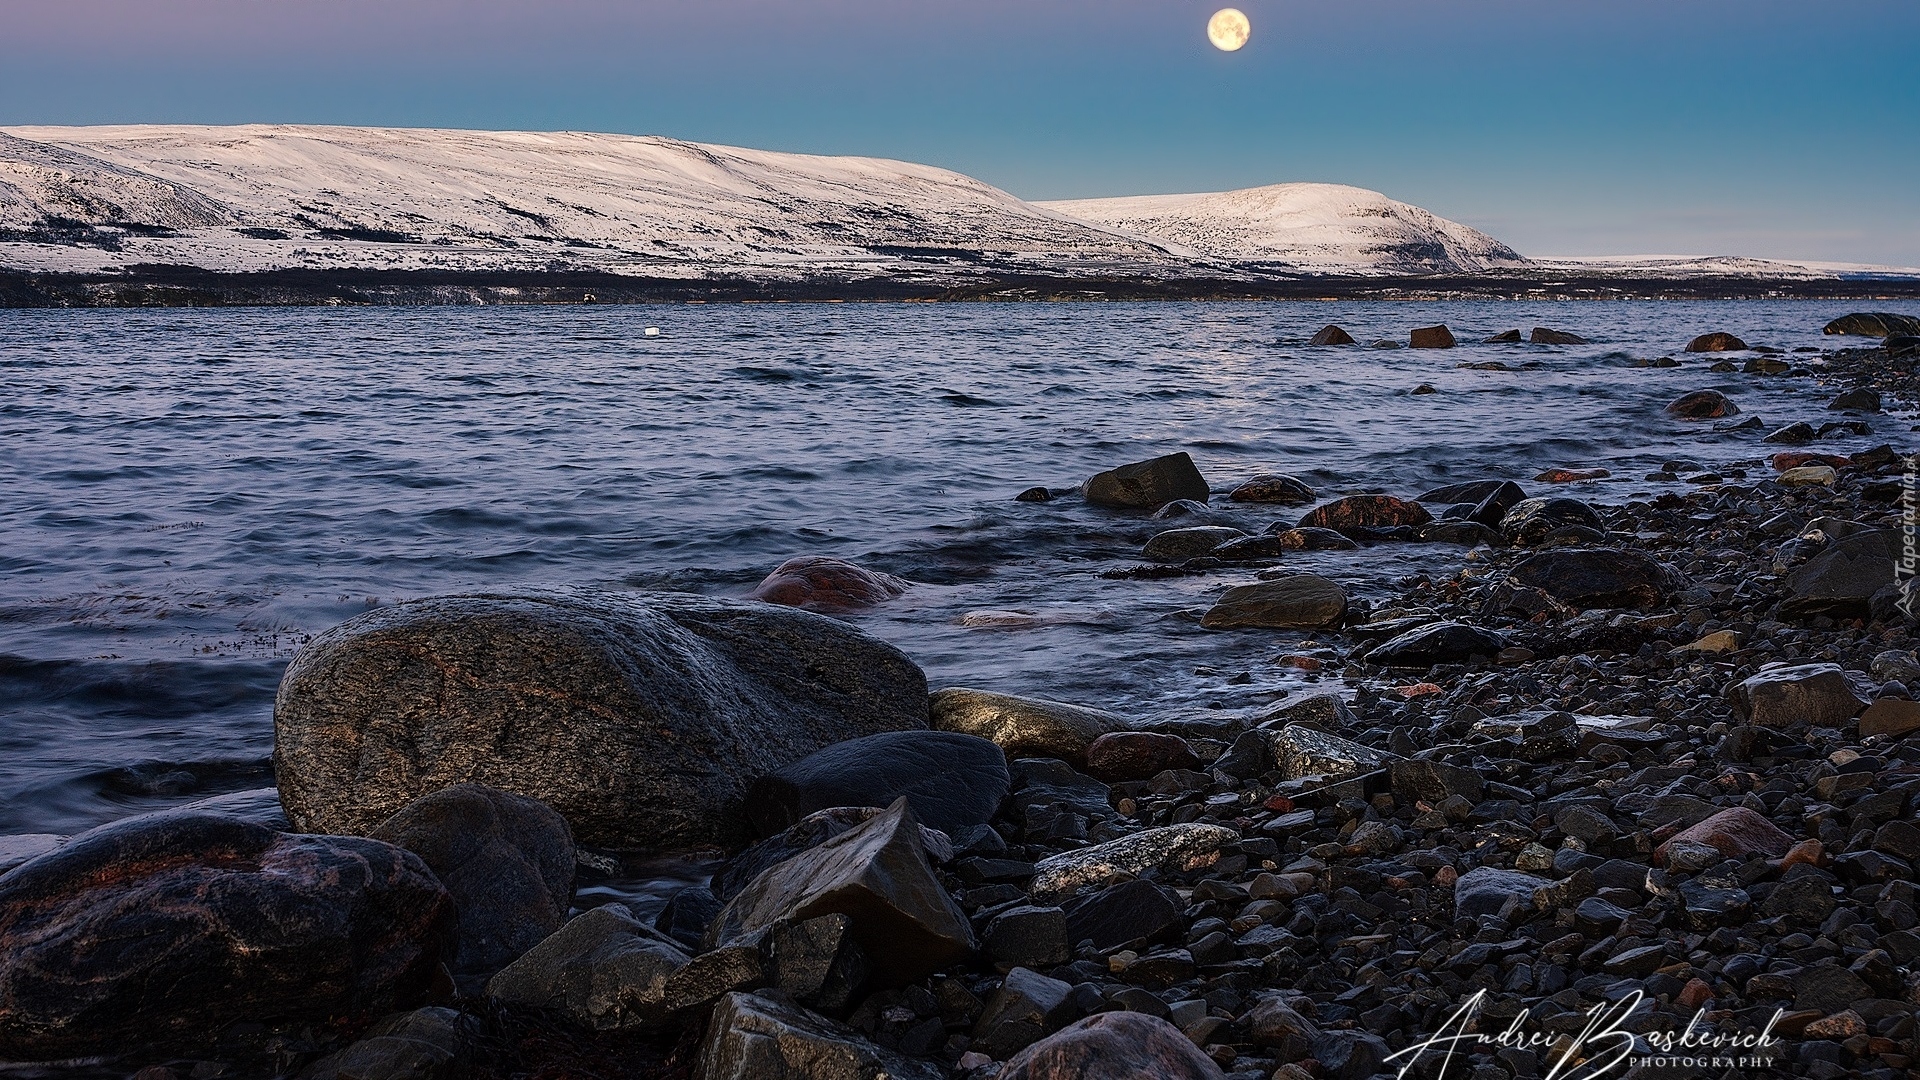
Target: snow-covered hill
x=1317, y=228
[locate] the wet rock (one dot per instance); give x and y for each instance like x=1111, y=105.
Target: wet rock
x=1795, y=434
x=1047, y=788
x=687, y=914
x=1438, y=643
x=1859, y=399
x=878, y=874
x=1331, y=335
x=807, y=833
x=1789, y=459
x=1113, y=1046
x=1309, y=539
x=1434, y=781
x=1147, y=485
x=1505, y=337
x=1736, y=833
x=1530, y=521
x=1841, y=580
x=1130, y=911
x=507, y=860
x=1878, y=324
x=1432, y=337
x=1301, y=751
x=1027, y=935
x=1702, y=405
x=1796, y=696
x=817, y=962
x=1452, y=494
x=1571, y=476
x=1279, y=1026
x=1023, y=727
x=1137, y=755
x=824, y=583
x=1597, y=577
x=751, y=1037
x=15, y=850
x=261, y=806
x=1034, y=495
x=157, y=932
x=639, y=717
x=1545, y=336
x=1365, y=512
x=1253, y=548
x=1298, y=601
x=1716, y=342
x=1902, y=346
x=1179, y=545
x=1486, y=890
x=1890, y=716
x=713, y=973
x=1192, y=844
x=1019, y=1012
x=434, y=1043
x=1464, y=533
x=1276, y=488
x=603, y=970
x=954, y=781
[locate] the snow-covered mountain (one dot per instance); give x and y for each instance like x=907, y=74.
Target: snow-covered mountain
x=264, y=197
x=1317, y=228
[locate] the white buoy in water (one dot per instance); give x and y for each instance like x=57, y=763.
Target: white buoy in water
x=653, y=331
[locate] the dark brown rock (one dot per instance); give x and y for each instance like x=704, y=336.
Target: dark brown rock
x=1505, y=337
x=1716, y=342
x=1702, y=405
x=824, y=583
x=1597, y=577
x=1299, y=601
x=158, y=932
x=880, y=877
x=954, y=781
x=1546, y=336
x=1290, y=539
x=1148, y=485
x=1137, y=755
x=604, y=971
x=1331, y=335
x=1530, y=521
x=1432, y=337
x=1276, y=488
x=507, y=860
x=1788, y=697
x=1737, y=833
x=639, y=717
x=1365, y=512
x=1113, y=1046
x=1878, y=324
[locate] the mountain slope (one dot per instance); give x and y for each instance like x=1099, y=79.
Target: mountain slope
x=1323, y=228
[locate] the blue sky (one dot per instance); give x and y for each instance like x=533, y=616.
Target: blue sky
x=1749, y=127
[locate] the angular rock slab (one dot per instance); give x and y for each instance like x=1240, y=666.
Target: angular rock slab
x=954, y=781
x=1298, y=601
x=1485, y=890
x=1736, y=833
x=507, y=860
x=750, y=1037
x=809, y=832
x=640, y=717
x=158, y=932
x=1597, y=577
x=1182, y=846
x=877, y=874
x=1840, y=581
x=603, y=970
x=1147, y=485
x=1300, y=751
x=1437, y=643
x=1113, y=1046
x=1022, y=727
x=1792, y=696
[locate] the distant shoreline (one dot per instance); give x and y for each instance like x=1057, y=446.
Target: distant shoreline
x=185, y=286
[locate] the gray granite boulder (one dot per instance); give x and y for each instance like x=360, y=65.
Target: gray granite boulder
x=1192, y=844
x=640, y=717
x=1798, y=695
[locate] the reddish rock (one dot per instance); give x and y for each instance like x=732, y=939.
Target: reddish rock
x=1840, y=1026
x=1311, y=540
x=1331, y=335
x=1432, y=337
x=1137, y=755
x=157, y=933
x=1794, y=459
x=1274, y=488
x=1543, y=335
x=824, y=583
x=1811, y=852
x=1702, y=405
x=1716, y=342
x=1696, y=993
x=1890, y=716
x=1365, y=511
x=1736, y=833
x=1569, y=476
x=1113, y=1046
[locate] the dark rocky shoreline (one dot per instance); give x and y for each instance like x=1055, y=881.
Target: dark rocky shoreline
x=1657, y=758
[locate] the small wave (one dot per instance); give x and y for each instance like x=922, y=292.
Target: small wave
x=765, y=374
x=955, y=397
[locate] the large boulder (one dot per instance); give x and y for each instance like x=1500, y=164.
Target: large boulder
x=1113, y=1046
x=750, y=1037
x=879, y=876
x=640, y=717
x=1148, y=485
x=1365, y=512
x=507, y=860
x=1736, y=833
x=1718, y=341
x=1878, y=324
x=824, y=583
x=1331, y=335
x=157, y=933
x=1702, y=405
x=1840, y=581
x=604, y=970
x=1432, y=337
x=954, y=781
x=1597, y=577
x=1530, y=521
x=1023, y=727
x=1543, y=335
x=1297, y=601
x=1137, y=755
x=1795, y=696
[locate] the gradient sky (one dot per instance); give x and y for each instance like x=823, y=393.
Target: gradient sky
x=1777, y=128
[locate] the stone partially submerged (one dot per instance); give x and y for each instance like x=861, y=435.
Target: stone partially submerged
x=1148, y=485
x=639, y=717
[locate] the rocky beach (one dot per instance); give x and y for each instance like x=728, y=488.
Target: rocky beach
x=1626, y=786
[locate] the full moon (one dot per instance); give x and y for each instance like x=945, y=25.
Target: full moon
x=1228, y=29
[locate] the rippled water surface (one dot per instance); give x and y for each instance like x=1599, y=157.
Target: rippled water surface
x=189, y=494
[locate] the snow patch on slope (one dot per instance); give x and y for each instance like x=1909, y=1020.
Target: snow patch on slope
x=41, y=185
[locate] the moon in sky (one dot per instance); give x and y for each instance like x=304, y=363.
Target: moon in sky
x=1228, y=29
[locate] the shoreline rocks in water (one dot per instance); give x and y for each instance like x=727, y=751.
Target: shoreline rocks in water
x=824, y=583
x=641, y=718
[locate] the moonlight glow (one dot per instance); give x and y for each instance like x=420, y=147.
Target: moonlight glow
x=1228, y=29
